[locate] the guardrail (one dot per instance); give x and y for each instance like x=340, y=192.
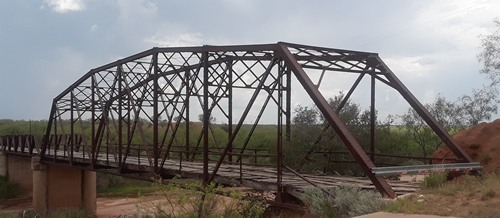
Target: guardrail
x=416, y=169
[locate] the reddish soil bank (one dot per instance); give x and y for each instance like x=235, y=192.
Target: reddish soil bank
x=481, y=142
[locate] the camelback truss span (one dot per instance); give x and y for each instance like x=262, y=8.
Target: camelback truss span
x=101, y=119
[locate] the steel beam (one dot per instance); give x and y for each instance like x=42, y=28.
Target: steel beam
x=420, y=109
x=333, y=119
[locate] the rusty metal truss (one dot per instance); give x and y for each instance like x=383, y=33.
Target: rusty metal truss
x=105, y=112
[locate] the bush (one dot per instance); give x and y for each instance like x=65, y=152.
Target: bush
x=343, y=201
x=8, y=190
x=435, y=180
x=105, y=181
x=190, y=199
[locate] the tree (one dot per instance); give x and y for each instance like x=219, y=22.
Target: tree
x=445, y=112
x=490, y=55
x=483, y=103
x=211, y=119
x=314, y=147
x=478, y=106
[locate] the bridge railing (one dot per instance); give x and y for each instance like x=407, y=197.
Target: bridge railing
x=247, y=156
x=74, y=149
x=21, y=144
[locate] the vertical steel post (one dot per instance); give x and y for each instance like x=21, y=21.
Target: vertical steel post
x=372, y=120
x=56, y=141
x=230, y=109
x=92, y=121
x=129, y=124
x=120, y=118
x=288, y=108
x=72, y=129
x=188, y=95
x=156, y=89
x=206, y=117
x=279, y=147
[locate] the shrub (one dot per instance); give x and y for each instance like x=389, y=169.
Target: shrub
x=435, y=180
x=190, y=199
x=105, y=181
x=343, y=201
x=409, y=204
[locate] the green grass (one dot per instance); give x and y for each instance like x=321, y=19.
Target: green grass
x=129, y=188
x=434, y=180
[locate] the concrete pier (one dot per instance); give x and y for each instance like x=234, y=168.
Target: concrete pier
x=54, y=187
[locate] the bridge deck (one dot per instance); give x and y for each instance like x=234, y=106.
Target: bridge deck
x=256, y=177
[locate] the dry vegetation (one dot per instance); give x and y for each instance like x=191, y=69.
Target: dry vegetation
x=466, y=196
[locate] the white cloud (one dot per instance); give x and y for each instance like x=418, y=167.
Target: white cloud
x=409, y=67
x=136, y=12
x=178, y=40
x=63, y=6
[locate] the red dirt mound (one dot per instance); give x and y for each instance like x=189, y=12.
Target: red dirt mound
x=481, y=142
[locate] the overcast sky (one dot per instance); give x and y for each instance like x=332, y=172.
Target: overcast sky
x=48, y=44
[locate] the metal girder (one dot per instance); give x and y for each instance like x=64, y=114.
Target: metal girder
x=336, y=123
x=109, y=107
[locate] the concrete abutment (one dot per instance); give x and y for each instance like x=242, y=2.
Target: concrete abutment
x=57, y=187
x=54, y=187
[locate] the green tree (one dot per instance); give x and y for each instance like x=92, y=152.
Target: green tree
x=445, y=112
x=316, y=147
x=478, y=106
x=490, y=55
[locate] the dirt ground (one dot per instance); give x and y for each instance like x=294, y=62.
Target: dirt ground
x=113, y=207
x=481, y=142
x=106, y=207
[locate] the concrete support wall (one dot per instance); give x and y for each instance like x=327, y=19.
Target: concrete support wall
x=19, y=171
x=58, y=187
x=89, y=192
x=54, y=187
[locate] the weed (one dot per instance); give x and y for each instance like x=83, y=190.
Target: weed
x=343, y=201
x=434, y=180
x=460, y=197
x=181, y=198
x=405, y=205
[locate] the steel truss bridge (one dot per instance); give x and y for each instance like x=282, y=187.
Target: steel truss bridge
x=136, y=115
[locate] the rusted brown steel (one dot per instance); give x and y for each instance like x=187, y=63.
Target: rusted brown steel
x=420, y=109
x=334, y=121
x=242, y=119
x=160, y=85
x=372, y=119
x=326, y=127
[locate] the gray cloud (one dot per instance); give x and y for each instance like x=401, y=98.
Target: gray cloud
x=430, y=45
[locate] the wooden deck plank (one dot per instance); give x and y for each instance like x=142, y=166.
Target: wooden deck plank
x=255, y=176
